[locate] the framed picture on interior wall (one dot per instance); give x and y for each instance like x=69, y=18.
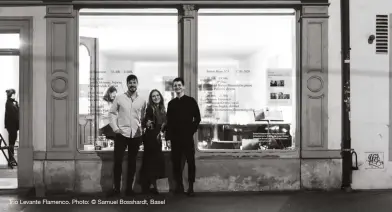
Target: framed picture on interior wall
x=168, y=83
x=280, y=87
x=168, y=93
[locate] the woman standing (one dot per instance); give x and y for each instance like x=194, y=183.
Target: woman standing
x=104, y=127
x=11, y=123
x=153, y=165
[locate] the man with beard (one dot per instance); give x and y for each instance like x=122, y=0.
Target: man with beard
x=183, y=118
x=126, y=116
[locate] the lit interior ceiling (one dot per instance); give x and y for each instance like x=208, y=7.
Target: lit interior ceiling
x=141, y=36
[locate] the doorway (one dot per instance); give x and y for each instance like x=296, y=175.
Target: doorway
x=9, y=108
x=16, y=73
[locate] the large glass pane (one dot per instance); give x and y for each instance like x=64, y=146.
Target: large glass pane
x=9, y=41
x=9, y=71
x=84, y=81
x=141, y=42
x=86, y=98
x=246, y=73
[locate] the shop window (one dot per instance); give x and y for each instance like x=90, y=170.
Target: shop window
x=247, y=79
x=113, y=45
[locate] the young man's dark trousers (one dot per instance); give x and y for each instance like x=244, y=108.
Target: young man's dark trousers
x=183, y=148
x=120, y=144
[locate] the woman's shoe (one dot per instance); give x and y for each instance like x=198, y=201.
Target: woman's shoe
x=154, y=191
x=11, y=164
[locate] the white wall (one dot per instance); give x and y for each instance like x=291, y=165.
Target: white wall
x=39, y=69
x=369, y=91
x=149, y=73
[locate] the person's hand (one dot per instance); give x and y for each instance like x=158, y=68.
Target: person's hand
x=118, y=131
x=163, y=127
x=149, y=123
x=159, y=137
x=168, y=143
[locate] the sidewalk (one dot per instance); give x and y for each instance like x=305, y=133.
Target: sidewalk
x=336, y=201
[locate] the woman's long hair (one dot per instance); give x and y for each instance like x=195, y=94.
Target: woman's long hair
x=110, y=90
x=161, y=105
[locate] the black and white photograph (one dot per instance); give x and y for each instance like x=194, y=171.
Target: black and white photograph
x=273, y=83
x=174, y=105
x=280, y=95
x=277, y=83
x=281, y=87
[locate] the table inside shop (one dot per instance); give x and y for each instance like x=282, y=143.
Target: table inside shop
x=248, y=137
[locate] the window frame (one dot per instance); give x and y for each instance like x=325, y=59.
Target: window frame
x=96, y=55
x=297, y=101
x=295, y=153
x=23, y=25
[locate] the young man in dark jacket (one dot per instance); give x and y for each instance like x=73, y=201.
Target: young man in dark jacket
x=183, y=118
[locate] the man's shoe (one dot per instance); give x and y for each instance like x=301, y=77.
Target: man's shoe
x=129, y=193
x=179, y=190
x=114, y=193
x=190, y=193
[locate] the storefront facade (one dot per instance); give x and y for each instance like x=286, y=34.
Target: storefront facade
x=53, y=148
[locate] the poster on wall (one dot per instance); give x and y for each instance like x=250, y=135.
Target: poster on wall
x=279, y=87
x=168, y=93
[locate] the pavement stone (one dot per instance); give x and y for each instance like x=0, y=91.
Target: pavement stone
x=301, y=201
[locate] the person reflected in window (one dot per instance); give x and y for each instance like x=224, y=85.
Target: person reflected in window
x=153, y=165
x=104, y=122
x=11, y=123
x=183, y=119
x=126, y=116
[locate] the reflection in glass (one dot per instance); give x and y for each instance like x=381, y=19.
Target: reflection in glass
x=86, y=118
x=84, y=80
x=239, y=56
x=140, y=44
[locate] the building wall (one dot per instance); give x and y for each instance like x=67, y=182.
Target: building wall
x=370, y=84
x=370, y=93
x=240, y=172
x=335, y=76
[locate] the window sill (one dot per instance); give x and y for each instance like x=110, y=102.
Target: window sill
x=227, y=154
x=104, y=154
x=201, y=155
x=213, y=154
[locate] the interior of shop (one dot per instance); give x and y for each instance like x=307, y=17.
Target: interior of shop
x=246, y=72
